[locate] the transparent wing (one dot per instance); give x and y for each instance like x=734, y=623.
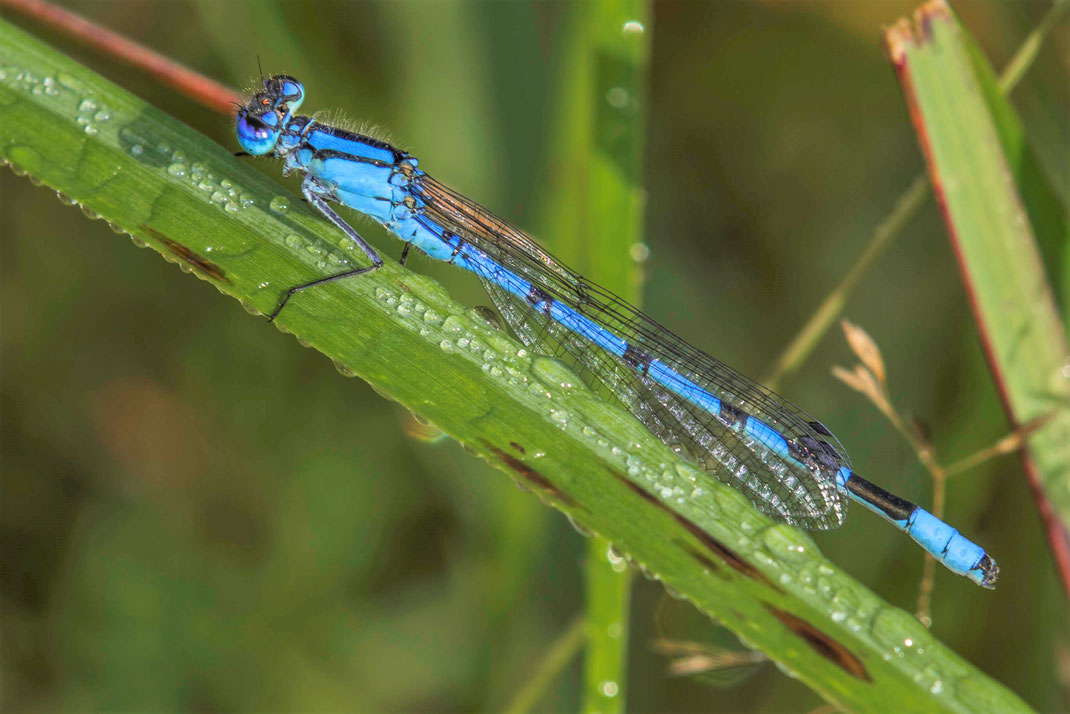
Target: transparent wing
x=800, y=490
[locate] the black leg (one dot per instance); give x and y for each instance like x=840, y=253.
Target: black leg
x=405, y=253
x=310, y=191
x=329, y=279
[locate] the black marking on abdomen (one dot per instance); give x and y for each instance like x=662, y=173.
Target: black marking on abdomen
x=731, y=415
x=894, y=507
x=811, y=451
x=637, y=358
x=536, y=297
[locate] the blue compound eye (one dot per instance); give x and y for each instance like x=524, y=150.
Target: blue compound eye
x=286, y=90
x=254, y=134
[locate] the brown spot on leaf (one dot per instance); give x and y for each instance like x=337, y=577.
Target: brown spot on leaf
x=722, y=551
x=517, y=447
x=719, y=549
x=636, y=488
x=533, y=477
x=702, y=558
x=821, y=643
x=199, y=263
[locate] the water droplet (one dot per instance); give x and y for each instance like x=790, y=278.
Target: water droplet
x=279, y=204
x=633, y=27
x=454, y=324
x=343, y=370
x=618, y=97
x=65, y=199
x=579, y=527
x=559, y=417
x=610, y=688
x=640, y=252
x=137, y=149
x=87, y=106
x=178, y=170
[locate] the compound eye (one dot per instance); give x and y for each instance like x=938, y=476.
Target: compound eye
x=254, y=135
x=288, y=91
x=292, y=90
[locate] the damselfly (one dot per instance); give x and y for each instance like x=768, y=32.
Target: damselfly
x=788, y=464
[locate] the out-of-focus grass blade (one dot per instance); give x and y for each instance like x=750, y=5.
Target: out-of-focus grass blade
x=188, y=198
x=1053, y=244
x=969, y=149
x=594, y=216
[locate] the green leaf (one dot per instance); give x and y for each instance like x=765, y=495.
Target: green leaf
x=594, y=215
x=190, y=200
x=970, y=146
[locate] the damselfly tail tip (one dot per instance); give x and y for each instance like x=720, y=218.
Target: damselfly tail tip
x=988, y=572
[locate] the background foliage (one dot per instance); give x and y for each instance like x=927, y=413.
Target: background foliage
x=197, y=513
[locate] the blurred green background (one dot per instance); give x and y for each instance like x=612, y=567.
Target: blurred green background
x=197, y=513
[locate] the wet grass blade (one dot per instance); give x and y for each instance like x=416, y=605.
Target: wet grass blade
x=970, y=146
x=187, y=198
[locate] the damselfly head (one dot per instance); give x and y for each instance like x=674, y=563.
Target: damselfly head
x=267, y=113
x=258, y=125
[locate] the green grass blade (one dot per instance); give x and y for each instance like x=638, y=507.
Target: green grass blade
x=969, y=153
x=1041, y=204
x=594, y=216
x=190, y=200
x=1047, y=215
